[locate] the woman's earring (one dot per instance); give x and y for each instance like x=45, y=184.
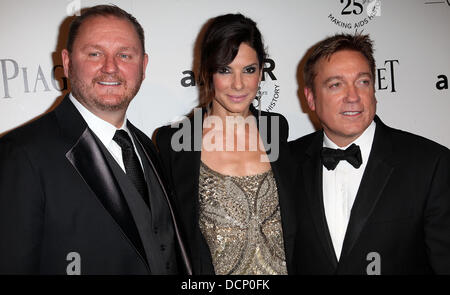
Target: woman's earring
x=258, y=97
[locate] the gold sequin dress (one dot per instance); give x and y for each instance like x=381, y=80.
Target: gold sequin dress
x=240, y=220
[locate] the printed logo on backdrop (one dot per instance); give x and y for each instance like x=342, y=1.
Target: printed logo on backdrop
x=385, y=75
x=269, y=89
x=73, y=8
x=17, y=79
x=438, y=2
x=354, y=14
x=29, y=79
x=442, y=82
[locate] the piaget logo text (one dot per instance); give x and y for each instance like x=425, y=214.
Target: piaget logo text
x=30, y=80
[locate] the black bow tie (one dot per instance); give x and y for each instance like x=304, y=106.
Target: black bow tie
x=331, y=157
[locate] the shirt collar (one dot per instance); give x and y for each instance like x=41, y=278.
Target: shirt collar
x=103, y=130
x=364, y=141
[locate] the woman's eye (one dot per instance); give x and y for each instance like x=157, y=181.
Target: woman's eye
x=223, y=71
x=250, y=70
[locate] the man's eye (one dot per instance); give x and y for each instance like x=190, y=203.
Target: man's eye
x=365, y=82
x=335, y=85
x=94, y=54
x=125, y=56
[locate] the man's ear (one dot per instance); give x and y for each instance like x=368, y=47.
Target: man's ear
x=144, y=64
x=310, y=98
x=66, y=61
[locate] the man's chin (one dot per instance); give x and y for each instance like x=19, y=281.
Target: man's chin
x=112, y=103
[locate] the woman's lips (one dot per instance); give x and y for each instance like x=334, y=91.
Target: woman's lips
x=237, y=98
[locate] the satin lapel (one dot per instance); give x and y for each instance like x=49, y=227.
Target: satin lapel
x=148, y=150
x=84, y=154
x=312, y=177
x=378, y=171
x=91, y=164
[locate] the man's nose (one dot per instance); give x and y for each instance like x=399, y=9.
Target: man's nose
x=110, y=65
x=352, y=94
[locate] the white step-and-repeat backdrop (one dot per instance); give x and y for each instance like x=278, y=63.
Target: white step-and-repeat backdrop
x=412, y=47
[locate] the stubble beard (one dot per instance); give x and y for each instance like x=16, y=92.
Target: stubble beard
x=84, y=92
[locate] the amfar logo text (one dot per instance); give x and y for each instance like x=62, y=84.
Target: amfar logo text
x=269, y=65
x=10, y=71
x=269, y=92
x=442, y=82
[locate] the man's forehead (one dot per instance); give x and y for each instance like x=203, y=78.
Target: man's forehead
x=342, y=59
x=106, y=22
x=94, y=31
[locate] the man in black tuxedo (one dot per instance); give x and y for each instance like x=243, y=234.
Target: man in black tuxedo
x=373, y=199
x=80, y=189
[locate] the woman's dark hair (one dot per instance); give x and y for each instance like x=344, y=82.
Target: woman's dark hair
x=220, y=46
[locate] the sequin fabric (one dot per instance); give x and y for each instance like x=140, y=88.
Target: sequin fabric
x=240, y=220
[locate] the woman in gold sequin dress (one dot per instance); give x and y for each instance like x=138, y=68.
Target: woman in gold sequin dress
x=229, y=163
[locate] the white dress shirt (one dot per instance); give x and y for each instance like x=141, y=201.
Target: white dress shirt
x=340, y=187
x=105, y=131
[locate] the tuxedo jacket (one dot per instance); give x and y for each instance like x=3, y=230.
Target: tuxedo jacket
x=400, y=219
x=183, y=169
x=66, y=206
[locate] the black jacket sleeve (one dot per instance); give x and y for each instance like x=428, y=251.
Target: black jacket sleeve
x=21, y=210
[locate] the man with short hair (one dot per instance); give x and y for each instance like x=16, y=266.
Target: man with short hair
x=80, y=188
x=373, y=199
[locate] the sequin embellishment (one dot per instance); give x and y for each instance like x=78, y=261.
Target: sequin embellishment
x=241, y=222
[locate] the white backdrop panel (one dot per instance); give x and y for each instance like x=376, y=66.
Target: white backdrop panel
x=411, y=43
